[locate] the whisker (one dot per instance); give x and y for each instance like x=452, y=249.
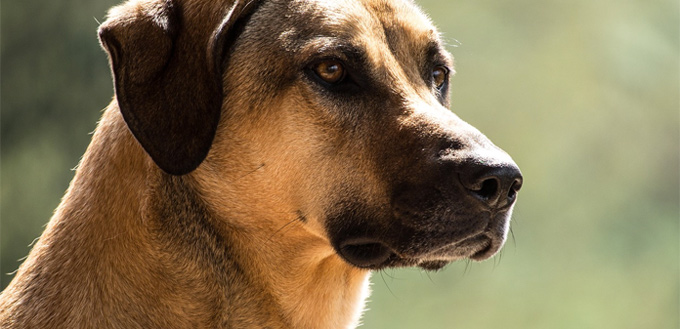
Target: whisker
x=389, y=275
x=387, y=285
x=427, y=273
x=497, y=259
x=467, y=266
x=252, y=171
x=281, y=228
x=514, y=241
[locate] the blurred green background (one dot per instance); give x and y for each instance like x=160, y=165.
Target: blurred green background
x=584, y=95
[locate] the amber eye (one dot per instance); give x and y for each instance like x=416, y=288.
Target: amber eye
x=330, y=71
x=439, y=76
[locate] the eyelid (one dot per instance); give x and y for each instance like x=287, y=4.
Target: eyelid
x=310, y=67
x=447, y=70
x=329, y=48
x=354, y=61
x=444, y=68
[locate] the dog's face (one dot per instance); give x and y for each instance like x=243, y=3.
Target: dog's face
x=335, y=113
x=356, y=95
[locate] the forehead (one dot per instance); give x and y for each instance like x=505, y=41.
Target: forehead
x=364, y=14
x=372, y=24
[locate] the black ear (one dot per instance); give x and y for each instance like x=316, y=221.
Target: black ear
x=168, y=78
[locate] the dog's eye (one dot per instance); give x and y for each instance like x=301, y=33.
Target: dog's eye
x=439, y=76
x=330, y=71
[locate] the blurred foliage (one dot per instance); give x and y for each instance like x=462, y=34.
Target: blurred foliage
x=583, y=94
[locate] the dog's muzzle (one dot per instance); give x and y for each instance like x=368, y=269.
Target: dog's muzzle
x=461, y=209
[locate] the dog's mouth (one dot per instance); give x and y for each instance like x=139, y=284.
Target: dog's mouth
x=430, y=239
x=372, y=253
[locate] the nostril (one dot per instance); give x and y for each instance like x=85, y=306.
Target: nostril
x=496, y=186
x=514, y=188
x=488, y=189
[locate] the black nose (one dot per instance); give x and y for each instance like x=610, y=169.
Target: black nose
x=495, y=185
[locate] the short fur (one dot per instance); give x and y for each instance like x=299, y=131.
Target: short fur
x=227, y=187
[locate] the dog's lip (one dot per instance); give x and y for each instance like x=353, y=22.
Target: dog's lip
x=475, y=243
x=486, y=251
x=374, y=254
x=478, y=248
x=400, y=246
x=365, y=252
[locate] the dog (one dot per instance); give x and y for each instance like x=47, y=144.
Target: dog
x=260, y=158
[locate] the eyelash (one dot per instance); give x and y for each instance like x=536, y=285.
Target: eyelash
x=347, y=82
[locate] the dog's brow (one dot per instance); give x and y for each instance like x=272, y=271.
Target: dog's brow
x=333, y=47
x=434, y=52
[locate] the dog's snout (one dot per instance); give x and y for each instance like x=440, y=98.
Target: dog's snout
x=495, y=185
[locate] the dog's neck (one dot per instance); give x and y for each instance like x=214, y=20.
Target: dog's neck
x=142, y=247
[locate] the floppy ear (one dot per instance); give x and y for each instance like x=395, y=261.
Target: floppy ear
x=168, y=78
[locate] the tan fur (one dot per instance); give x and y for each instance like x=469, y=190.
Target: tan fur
x=242, y=241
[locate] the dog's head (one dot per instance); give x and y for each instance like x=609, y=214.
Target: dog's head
x=332, y=112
